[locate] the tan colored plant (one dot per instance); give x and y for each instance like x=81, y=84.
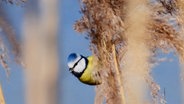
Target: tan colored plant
x=40, y=53
x=2, y=100
x=180, y=19
x=10, y=36
x=137, y=29
x=136, y=59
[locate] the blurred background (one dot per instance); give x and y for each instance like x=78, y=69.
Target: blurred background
x=70, y=90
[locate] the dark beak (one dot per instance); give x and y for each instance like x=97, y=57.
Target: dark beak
x=71, y=70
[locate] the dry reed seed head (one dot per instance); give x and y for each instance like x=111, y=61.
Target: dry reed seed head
x=4, y=58
x=102, y=25
x=9, y=33
x=104, y=29
x=11, y=37
x=17, y=2
x=95, y=27
x=180, y=17
x=111, y=91
x=81, y=25
x=165, y=10
x=157, y=97
x=103, y=21
x=164, y=36
x=136, y=68
x=180, y=5
x=169, y=6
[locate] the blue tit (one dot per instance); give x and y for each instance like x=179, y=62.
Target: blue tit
x=82, y=68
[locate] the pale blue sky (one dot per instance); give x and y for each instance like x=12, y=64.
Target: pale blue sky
x=74, y=92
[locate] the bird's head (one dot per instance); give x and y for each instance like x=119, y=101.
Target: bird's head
x=77, y=64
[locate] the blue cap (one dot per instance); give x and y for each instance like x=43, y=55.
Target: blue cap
x=72, y=57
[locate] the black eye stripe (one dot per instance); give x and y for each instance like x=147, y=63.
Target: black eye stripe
x=76, y=63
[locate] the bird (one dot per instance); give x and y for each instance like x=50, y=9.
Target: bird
x=82, y=67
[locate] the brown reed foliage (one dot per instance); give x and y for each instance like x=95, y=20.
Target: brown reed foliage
x=102, y=22
x=180, y=19
x=17, y=2
x=137, y=29
x=8, y=34
x=136, y=59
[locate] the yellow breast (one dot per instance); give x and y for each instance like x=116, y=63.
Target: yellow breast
x=87, y=77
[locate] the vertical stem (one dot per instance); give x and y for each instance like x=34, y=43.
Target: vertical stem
x=2, y=101
x=118, y=76
x=40, y=54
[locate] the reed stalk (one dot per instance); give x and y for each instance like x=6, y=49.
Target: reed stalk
x=2, y=100
x=40, y=53
x=118, y=76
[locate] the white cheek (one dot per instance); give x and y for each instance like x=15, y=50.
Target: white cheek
x=71, y=64
x=80, y=66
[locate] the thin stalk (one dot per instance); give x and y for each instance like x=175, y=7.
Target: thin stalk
x=118, y=77
x=2, y=100
x=40, y=53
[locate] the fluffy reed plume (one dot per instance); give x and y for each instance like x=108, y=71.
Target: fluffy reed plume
x=136, y=29
x=2, y=100
x=8, y=34
x=40, y=53
x=137, y=56
x=11, y=37
x=17, y=2
x=180, y=19
x=102, y=21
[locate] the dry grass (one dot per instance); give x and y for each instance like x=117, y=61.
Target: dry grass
x=137, y=29
x=124, y=36
x=2, y=100
x=102, y=21
x=118, y=77
x=40, y=53
x=17, y=2
x=11, y=37
x=136, y=59
x=180, y=19
x=8, y=35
